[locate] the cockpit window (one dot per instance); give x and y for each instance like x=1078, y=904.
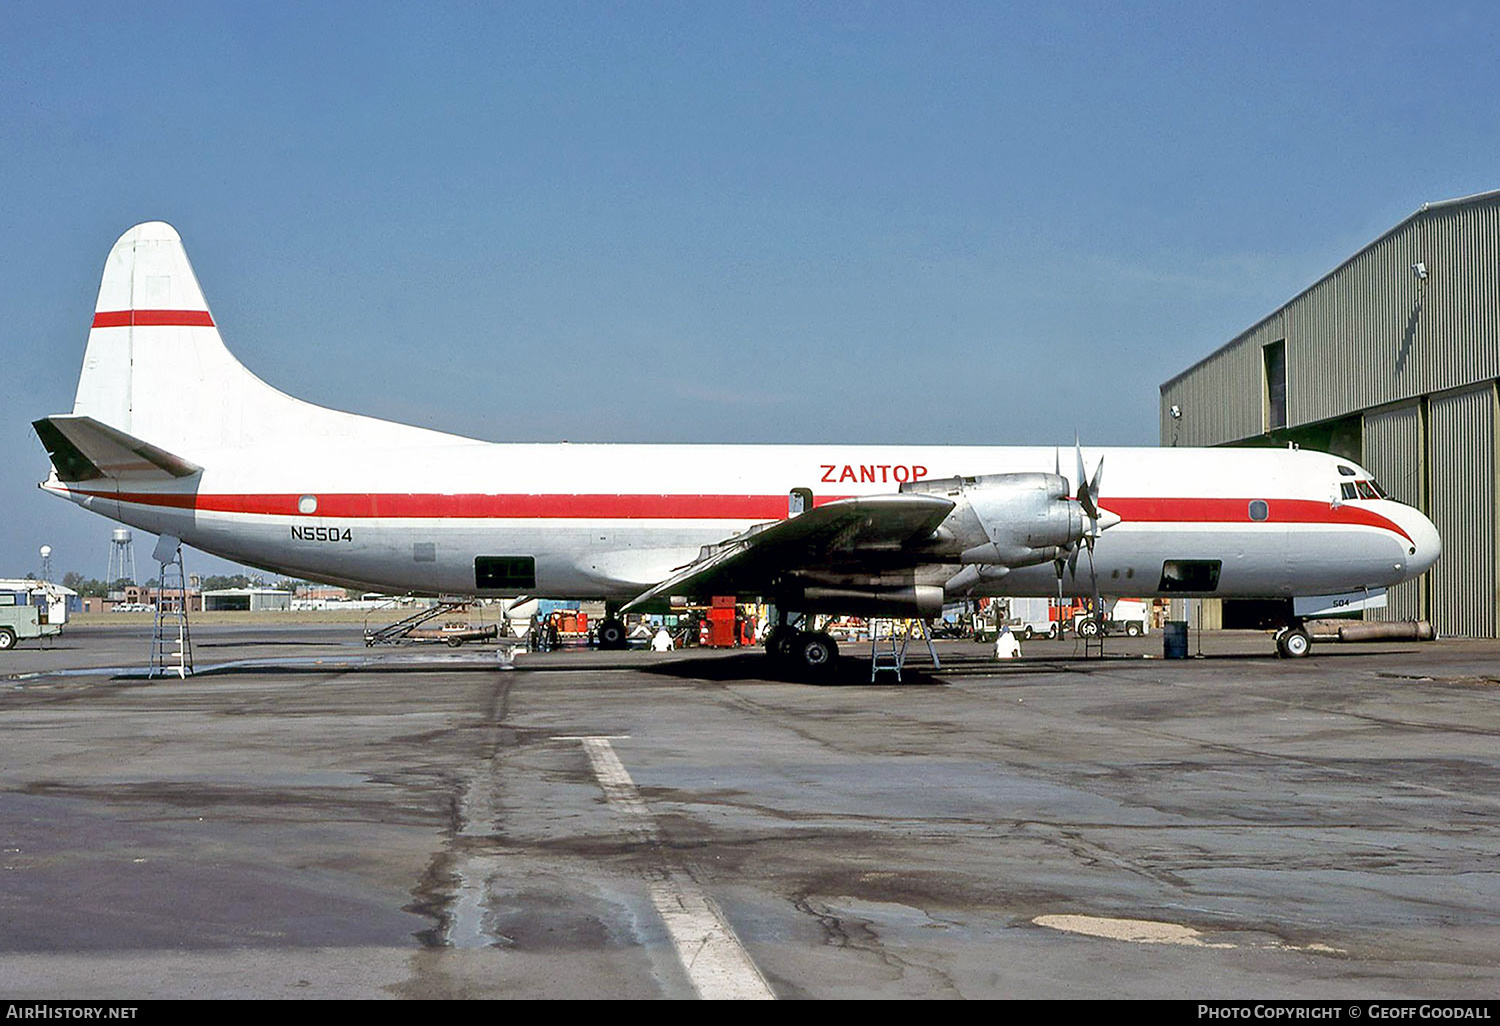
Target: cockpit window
x=1379, y=490
x=1365, y=491
x=1346, y=488
x=1346, y=471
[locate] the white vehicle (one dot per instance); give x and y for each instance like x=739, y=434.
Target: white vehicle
x=22, y=623
x=1032, y=618
x=1130, y=617
x=171, y=434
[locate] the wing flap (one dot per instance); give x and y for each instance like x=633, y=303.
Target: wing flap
x=836, y=530
x=83, y=449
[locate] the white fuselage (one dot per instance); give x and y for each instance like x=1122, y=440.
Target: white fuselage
x=609, y=521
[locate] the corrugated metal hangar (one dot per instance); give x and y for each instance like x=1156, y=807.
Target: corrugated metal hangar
x=1391, y=360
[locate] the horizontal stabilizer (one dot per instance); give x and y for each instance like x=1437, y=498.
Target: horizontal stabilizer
x=83, y=449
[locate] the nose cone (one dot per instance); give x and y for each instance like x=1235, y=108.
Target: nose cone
x=1425, y=546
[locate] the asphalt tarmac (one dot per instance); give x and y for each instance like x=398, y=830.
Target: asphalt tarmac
x=307, y=817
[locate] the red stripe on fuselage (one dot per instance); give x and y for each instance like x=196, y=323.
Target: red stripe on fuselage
x=498, y=507
x=1220, y=512
x=1231, y=511
x=153, y=318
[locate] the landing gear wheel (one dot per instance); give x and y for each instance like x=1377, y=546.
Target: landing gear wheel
x=611, y=635
x=1293, y=643
x=781, y=643
x=816, y=653
x=7, y=638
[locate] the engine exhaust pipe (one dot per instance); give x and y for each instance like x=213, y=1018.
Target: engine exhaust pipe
x=922, y=601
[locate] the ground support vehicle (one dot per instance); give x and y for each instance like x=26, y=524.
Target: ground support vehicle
x=22, y=623
x=1130, y=617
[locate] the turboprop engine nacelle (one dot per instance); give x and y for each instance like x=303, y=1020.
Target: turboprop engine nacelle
x=1009, y=520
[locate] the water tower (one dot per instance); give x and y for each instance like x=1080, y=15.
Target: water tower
x=121, y=559
x=46, y=562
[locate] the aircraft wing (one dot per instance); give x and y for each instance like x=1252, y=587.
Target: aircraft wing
x=84, y=449
x=843, y=532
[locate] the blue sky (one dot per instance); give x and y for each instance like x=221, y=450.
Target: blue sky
x=968, y=223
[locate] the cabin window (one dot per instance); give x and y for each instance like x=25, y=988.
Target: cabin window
x=504, y=573
x=307, y=505
x=1259, y=510
x=1192, y=575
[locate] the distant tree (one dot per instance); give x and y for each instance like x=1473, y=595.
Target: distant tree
x=91, y=587
x=219, y=582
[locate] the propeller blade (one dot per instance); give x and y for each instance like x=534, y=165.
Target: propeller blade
x=1085, y=490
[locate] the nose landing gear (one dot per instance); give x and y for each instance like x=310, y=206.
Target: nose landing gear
x=1293, y=642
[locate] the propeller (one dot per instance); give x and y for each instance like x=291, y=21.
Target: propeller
x=1088, y=498
x=1098, y=521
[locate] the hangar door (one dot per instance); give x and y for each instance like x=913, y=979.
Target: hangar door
x=1393, y=453
x=1461, y=454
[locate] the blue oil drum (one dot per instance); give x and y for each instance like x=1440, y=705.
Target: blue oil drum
x=1174, y=639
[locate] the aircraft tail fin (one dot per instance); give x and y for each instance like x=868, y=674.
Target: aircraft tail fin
x=156, y=367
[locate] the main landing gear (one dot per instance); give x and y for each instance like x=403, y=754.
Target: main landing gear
x=611, y=631
x=811, y=654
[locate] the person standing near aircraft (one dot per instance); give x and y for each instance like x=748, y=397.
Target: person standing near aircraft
x=1006, y=645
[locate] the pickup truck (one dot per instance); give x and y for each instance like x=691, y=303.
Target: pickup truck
x=22, y=623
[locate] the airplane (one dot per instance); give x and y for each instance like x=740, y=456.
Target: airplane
x=171, y=434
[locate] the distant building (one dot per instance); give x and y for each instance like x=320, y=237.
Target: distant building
x=321, y=593
x=172, y=599
x=254, y=600
x=1391, y=360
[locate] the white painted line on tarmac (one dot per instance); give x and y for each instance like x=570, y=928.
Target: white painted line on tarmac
x=717, y=964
